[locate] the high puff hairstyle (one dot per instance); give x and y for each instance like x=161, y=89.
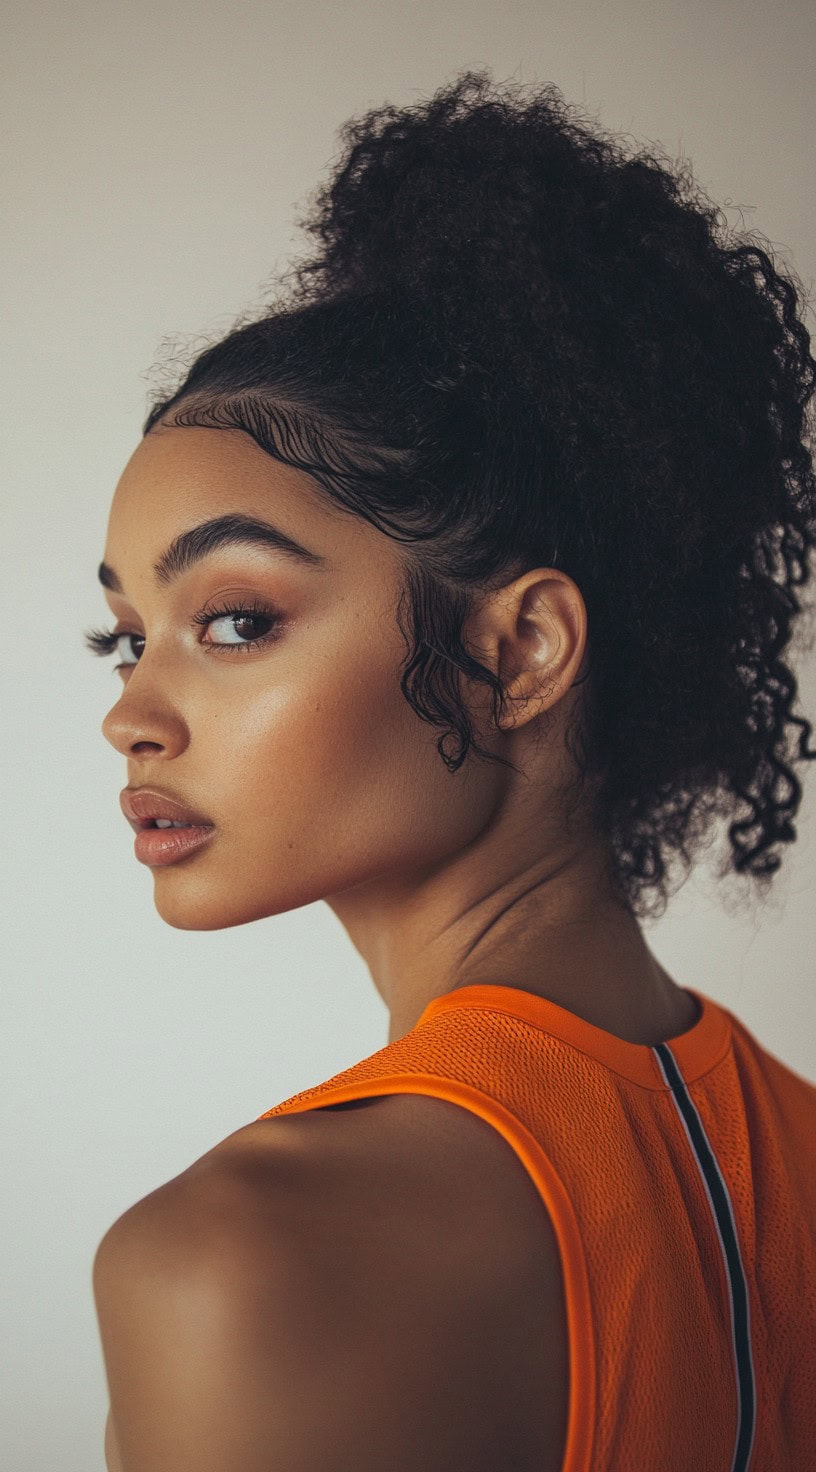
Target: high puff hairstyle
x=515, y=347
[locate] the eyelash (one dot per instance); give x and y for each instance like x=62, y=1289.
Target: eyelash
x=105, y=641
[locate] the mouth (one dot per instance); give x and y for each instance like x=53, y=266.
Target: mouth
x=166, y=823
x=158, y=846
x=146, y=807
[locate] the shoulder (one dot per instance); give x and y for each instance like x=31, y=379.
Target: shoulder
x=334, y=1289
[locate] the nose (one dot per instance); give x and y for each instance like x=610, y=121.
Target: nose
x=138, y=727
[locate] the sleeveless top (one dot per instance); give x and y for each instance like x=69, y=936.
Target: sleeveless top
x=681, y=1183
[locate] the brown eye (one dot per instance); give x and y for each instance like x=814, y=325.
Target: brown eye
x=243, y=627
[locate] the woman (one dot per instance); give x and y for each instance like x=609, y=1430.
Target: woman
x=521, y=459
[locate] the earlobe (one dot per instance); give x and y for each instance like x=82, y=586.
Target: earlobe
x=527, y=696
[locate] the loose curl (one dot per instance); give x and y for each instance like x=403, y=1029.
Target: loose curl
x=518, y=346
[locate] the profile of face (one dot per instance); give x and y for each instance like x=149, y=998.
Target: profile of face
x=285, y=725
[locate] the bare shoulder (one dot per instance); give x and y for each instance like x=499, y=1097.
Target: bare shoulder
x=389, y=1269
x=425, y=1198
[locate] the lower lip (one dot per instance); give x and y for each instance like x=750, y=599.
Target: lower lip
x=168, y=845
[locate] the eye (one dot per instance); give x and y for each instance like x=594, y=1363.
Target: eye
x=253, y=615
x=106, y=641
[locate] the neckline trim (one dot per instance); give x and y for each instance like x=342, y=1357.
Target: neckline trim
x=695, y=1051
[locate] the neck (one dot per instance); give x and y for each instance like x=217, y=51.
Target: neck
x=551, y=927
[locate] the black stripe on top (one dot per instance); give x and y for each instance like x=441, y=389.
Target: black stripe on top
x=723, y=1214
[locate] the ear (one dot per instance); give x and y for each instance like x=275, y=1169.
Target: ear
x=532, y=634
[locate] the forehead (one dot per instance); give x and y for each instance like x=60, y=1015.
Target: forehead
x=179, y=476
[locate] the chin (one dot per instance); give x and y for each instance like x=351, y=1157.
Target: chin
x=193, y=910
x=194, y=894
x=190, y=903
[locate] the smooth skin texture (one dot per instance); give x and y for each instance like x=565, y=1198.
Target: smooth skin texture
x=375, y=1289
x=324, y=784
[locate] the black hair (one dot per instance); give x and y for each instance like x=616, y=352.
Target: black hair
x=519, y=344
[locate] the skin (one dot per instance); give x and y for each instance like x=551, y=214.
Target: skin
x=324, y=784
x=322, y=781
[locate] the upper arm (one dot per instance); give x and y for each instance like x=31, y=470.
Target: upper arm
x=189, y=1317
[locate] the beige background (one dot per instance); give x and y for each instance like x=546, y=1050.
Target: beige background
x=155, y=157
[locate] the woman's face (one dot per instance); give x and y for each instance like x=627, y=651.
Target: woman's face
x=302, y=751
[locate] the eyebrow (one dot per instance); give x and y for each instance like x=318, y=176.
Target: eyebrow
x=201, y=541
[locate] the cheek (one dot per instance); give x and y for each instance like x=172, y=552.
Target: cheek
x=333, y=771
x=322, y=781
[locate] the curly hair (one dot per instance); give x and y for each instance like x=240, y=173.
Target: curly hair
x=518, y=344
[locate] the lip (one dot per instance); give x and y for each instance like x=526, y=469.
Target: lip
x=141, y=805
x=160, y=846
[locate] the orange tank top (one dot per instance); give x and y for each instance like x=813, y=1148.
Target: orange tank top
x=681, y=1184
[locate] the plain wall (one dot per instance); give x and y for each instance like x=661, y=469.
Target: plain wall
x=155, y=157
